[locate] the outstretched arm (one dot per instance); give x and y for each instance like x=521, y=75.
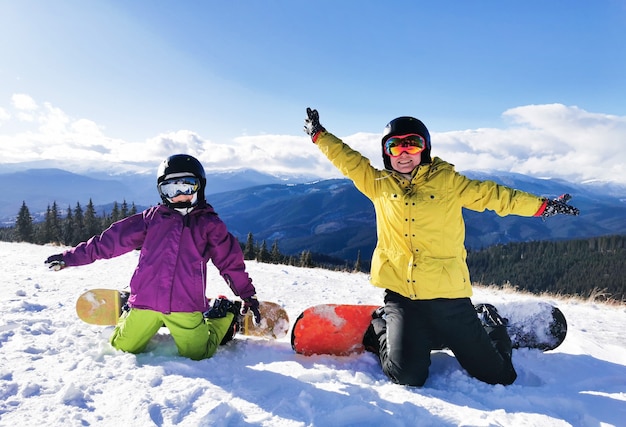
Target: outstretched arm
x=349, y=162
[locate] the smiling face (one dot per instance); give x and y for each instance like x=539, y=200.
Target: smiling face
x=404, y=127
x=405, y=162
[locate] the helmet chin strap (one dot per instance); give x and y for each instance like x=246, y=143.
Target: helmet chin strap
x=184, y=211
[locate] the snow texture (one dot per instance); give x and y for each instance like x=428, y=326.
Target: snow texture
x=56, y=370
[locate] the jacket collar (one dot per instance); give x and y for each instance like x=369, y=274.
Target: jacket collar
x=423, y=172
x=202, y=206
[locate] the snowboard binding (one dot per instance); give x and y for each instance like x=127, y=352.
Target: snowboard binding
x=489, y=316
x=221, y=307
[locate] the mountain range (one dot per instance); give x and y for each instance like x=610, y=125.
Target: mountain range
x=327, y=216
x=41, y=187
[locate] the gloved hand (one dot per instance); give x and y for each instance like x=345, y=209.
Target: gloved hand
x=559, y=206
x=312, y=124
x=55, y=262
x=252, y=304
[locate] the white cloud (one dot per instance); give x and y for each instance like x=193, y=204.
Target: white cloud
x=4, y=115
x=156, y=149
x=281, y=154
x=86, y=128
x=53, y=135
x=544, y=140
x=24, y=102
x=541, y=140
x=53, y=121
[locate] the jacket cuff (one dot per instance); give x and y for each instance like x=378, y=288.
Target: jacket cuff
x=542, y=208
x=317, y=135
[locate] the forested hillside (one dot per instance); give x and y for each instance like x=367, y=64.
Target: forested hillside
x=590, y=267
x=593, y=267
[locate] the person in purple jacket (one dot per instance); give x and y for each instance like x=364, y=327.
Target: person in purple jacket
x=177, y=239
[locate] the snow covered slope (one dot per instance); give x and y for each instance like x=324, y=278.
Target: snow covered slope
x=55, y=370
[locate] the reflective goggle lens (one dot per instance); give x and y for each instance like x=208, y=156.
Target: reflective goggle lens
x=176, y=186
x=411, y=144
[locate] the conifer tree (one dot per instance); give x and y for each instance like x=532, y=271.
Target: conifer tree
x=248, y=251
x=24, y=225
x=78, y=226
x=275, y=255
x=306, y=259
x=263, y=254
x=92, y=225
x=55, y=224
x=115, y=213
x=66, y=227
x=50, y=230
x=124, y=209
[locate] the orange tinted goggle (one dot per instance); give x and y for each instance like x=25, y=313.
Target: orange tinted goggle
x=410, y=144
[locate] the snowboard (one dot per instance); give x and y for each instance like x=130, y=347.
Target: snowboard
x=105, y=306
x=338, y=329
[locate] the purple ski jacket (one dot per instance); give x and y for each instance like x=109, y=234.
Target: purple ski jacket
x=171, y=272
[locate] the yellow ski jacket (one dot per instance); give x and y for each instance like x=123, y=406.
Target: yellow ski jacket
x=420, y=252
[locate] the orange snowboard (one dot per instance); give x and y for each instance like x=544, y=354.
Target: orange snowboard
x=333, y=329
x=338, y=330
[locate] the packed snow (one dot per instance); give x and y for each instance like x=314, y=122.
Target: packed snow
x=56, y=370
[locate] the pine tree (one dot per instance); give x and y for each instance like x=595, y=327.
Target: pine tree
x=78, y=226
x=248, y=251
x=115, y=213
x=47, y=232
x=306, y=259
x=124, y=209
x=66, y=227
x=263, y=255
x=55, y=224
x=275, y=255
x=24, y=225
x=92, y=224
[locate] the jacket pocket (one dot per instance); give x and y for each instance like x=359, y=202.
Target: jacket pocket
x=441, y=277
x=385, y=270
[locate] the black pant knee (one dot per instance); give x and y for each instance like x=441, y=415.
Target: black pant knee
x=406, y=372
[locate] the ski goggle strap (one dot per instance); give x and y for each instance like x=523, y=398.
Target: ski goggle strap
x=410, y=144
x=173, y=187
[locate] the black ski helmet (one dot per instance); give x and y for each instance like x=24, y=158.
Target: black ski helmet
x=403, y=126
x=181, y=164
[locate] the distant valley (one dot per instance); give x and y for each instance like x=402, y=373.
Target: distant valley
x=326, y=216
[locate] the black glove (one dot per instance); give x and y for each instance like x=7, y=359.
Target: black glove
x=559, y=206
x=220, y=307
x=55, y=262
x=252, y=304
x=312, y=124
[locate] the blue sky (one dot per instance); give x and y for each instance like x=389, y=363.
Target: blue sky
x=230, y=81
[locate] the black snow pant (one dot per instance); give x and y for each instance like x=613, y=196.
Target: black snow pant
x=411, y=328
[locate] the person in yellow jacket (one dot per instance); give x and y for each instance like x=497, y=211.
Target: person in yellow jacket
x=420, y=256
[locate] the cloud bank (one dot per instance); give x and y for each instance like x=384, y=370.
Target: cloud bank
x=553, y=140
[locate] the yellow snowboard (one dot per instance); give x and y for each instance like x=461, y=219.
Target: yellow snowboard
x=104, y=307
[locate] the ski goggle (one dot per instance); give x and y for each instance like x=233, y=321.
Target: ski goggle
x=185, y=185
x=410, y=144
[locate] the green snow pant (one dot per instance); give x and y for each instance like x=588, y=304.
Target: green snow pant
x=195, y=337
